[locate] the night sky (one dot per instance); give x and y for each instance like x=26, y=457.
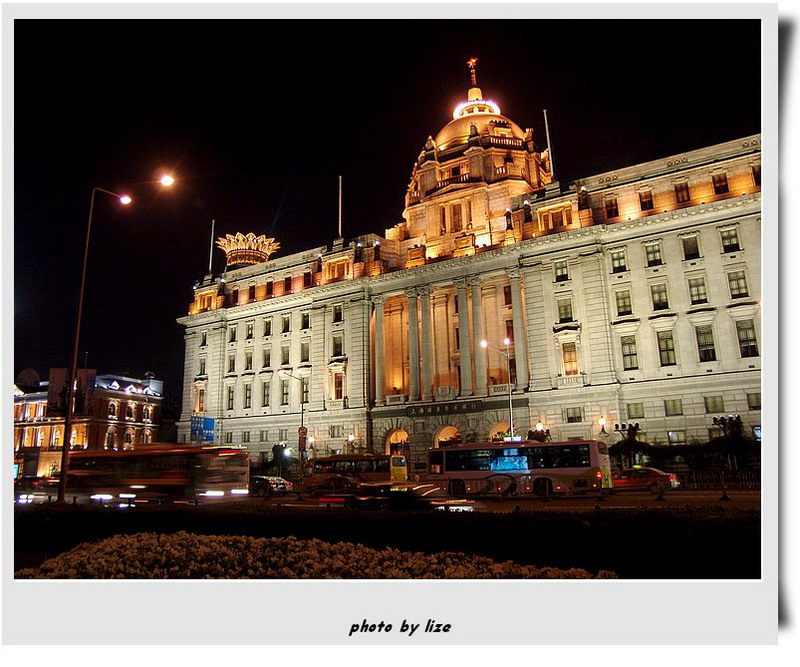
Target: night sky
x=258, y=118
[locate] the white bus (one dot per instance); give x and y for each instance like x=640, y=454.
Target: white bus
x=512, y=468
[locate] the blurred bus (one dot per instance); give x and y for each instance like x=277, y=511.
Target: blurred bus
x=339, y=472
x=160, y=471
x=511, y=468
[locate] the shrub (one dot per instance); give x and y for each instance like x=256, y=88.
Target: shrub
x=185, y=555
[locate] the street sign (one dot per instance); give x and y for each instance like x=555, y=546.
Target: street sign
x=302, y=431
x=202, y=429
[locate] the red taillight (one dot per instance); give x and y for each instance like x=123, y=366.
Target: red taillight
x=599, y=474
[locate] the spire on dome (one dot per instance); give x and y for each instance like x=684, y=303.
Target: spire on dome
x=471, y=64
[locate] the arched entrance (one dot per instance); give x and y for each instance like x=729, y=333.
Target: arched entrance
x=498, y=430
x=396, y=441
x=446, y=435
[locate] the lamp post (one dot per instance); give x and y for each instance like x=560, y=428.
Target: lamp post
x=302, y=432
x=507, y=355
x=72, y=371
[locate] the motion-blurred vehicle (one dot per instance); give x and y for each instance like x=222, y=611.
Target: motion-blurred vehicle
x=408, y=497
x=29, y=489
x=644, y=479
x=265, y=485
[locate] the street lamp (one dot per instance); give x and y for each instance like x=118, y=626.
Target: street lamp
x=302, y=432
x=72, y=372
x=602, y=423
x=507, y=354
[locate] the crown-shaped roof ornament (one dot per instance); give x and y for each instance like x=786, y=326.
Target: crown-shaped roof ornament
x=247, y=248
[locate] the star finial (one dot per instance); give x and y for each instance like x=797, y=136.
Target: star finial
x=471, y=64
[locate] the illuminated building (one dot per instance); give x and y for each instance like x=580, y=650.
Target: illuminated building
x=631, y=295
x=124, y=413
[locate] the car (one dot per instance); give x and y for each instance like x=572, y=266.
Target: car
x=407, y=497
x=266, y=485
x=29, y=489
x=644, y=479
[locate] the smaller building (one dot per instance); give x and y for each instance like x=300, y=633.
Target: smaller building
x=121, y=413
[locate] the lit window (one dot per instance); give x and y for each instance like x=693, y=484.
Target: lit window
x=746, y=332
x=697, y=291
x=338, y=386
x=569, y=354
x=705, y=343
x=653, y=254
x=573, y=415
x=561, y=270
x=630, y=360
x=676, y=437
x=659, y=296
x=673, y=407
x=730, y=240
x=618, y=263
x=623, y=303
x=666, y=348
x=455, y=216
x=737, y=283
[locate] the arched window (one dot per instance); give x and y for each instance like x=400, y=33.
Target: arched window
x=128, y=437
x=56, y=437
x=112, y=410
x=148, y=412
x=111, y=437
x=148, y=436
x=39, y=437
x=129, y=411
x=73, y=441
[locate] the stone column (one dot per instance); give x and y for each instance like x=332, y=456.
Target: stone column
x=478, y=335
x=520, y=353
x=465, y=365
x=427, y=344
x=378, y=301
x=413, y=345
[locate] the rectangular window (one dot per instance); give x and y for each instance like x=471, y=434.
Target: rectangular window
x=287, y=285
x=245, y=436
x=268, y=326
x=630, y=360
x=673, y=407
x=265, y=389
x=263, y=436
x=564, y=310
x=248, y=396
x=284, y=355
x=230, y=398
x=248, y=361
x=456, y=338
x=267, y=357
x=612, y=207
x=623, y=303
x=659, y=295
x=305, y=320
x=635, y=410
x=307, y=279
x=754, y=401
x=691, y=248
x=646, y=200
x=270, y=288
x=455, y=218
x=746, y=332
x=573, y=415
x=306, y=388
x=569, y=354
x=720, y=182
x=338, y=346
x=335, y=431
x=283, y=434
x=251, y=293
x=510, y=330
x=653, y=254
x=682, y=192
x=714, y=404
x=285, y=392
x=235, y=297
x=286, y=323
x=730, y=240
x=232, y=363
x=203, y=339
x=737, y=283
x=756, y=171
x=202, y=367
x=697, y=291
x=338, y=313
x=232, y=334
x=229, y=437
x=338, y=386
x=305, y=353
x=249, y=331
x=618, y=263
x=506, y=295
x=705, y=343
x=562, y=270
x=666, y=348
x=676, y=437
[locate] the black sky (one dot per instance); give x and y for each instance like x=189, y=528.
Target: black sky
x=258, y=118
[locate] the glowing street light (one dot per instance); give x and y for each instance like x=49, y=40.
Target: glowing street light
x=72, y=371
x=507, y=355
x=602, y=422
x=167, y=180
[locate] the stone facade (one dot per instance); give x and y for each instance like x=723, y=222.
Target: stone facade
x=629, y=295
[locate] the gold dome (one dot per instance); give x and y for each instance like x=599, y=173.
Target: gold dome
x=457, y=130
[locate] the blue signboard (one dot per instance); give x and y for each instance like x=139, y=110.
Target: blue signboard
x=202, y=429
